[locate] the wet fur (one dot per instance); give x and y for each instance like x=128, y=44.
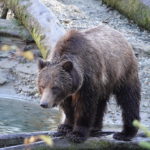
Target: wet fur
x=106, y=65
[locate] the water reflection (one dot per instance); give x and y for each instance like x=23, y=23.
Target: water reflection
x=19, y=116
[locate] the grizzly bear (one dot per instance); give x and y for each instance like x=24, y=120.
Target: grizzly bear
x=80, y=74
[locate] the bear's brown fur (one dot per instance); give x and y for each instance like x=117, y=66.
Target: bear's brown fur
x=82, y=72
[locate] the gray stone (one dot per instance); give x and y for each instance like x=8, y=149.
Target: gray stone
x=3, y=54
x=3, y=78
x=7, y=64
x=29, y=68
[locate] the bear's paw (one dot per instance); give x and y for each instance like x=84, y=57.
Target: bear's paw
x=76, y=137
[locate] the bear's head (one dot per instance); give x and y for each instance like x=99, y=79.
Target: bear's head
x=56, y=82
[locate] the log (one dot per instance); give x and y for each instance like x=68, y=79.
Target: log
x=40, y=22
x=103, y=141
x=12, y=28
x=137, y=10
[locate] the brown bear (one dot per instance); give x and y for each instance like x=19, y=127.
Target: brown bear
x=82, y=72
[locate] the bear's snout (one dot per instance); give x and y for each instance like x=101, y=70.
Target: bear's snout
x=44, y=105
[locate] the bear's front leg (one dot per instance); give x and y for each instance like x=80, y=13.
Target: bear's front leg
x=85, y=110
x=67, y=125
x=83, y=123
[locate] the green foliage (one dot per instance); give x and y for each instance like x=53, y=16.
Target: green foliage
x=48, y=140
x=146, y=131
x=38, y=38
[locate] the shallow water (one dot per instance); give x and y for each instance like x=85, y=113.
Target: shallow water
x=19, y=116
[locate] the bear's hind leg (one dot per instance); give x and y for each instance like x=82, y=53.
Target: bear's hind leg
x=67, y=125
x=128, y=97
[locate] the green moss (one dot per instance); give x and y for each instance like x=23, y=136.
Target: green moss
x=38, y=38
x=133, y=9
x=96, y=145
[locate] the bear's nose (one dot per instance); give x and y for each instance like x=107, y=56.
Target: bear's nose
x=44, y=105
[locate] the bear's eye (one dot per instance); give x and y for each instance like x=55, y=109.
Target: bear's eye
x=56, y=89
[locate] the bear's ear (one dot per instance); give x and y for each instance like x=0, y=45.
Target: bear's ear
x=41, y=64
x=67, y=66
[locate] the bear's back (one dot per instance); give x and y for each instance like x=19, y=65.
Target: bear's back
x=112, y=48
x=101, y=50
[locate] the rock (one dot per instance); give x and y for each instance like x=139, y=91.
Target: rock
x=13, y=28
x=3, y=78
x=5, y=64
x=141, y=49
x=3, y=54
x=29, y=68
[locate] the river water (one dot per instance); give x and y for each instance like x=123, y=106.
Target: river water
x=19, y=116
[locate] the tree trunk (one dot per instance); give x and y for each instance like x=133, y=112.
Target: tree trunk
x=40, y=22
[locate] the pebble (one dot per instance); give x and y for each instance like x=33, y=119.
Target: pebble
x=3, y=78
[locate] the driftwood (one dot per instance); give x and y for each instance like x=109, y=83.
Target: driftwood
x=40, y=22
x=102, y=141
x=13, y=28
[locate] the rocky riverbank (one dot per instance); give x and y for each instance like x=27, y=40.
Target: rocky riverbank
x=18, y=76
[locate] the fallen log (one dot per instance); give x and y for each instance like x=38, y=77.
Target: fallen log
x=12, y=28
x=103, y=141
x=137, y=10
x=40, y=22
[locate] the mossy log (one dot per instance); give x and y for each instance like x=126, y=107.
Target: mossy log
x=12, y=28
x=103, y=141
x=136, y=10
x=40, y=22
